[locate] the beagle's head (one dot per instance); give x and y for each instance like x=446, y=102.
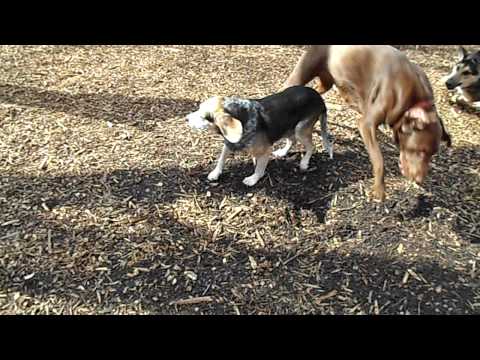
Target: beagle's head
x=212, y=114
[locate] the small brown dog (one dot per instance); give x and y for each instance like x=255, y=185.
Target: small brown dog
x=386, y=88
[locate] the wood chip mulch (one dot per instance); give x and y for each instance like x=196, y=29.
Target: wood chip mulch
x=105, y=206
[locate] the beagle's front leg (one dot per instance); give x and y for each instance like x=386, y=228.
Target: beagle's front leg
x=261, y=165
x=215, y=174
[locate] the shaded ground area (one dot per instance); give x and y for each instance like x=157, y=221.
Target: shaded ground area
x=106, y=207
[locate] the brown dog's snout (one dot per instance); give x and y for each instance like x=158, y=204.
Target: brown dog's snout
x=419, y=176
x=414, y=167
x=419, y=179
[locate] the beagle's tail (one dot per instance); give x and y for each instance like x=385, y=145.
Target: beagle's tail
x=326, y=138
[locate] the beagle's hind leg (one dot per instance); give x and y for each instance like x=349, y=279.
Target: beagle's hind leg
x=282, y=152
x=327, y=143
x=303, y=133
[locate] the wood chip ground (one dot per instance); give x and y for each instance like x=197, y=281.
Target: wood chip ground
x=105, y=206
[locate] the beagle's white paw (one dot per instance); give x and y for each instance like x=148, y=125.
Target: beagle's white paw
x=251, y=180
x=329, y=149
x=280, y=153
x=304, y=165
x=214, y=175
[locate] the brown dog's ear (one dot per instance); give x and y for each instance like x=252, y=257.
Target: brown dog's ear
x=419, y=119
x=462, y=53
x=230, y=127
x=445, y=135
x=407, y=126
x=446, y=138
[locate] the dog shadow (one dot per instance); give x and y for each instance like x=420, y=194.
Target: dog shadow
x=142, y=112
x=107, y=280
x=106, y=251
x=456, y=186
x=311, y=190
x=450, y=185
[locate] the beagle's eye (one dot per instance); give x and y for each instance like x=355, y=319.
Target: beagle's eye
x=466, y=73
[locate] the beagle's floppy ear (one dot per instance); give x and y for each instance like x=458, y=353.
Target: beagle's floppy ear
x=231, y=128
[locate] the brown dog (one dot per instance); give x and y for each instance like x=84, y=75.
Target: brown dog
x=386, y=88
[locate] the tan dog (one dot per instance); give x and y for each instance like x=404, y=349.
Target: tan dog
x=386, y=88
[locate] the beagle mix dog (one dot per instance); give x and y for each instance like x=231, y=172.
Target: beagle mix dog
x=256, y=125
x=386, y=88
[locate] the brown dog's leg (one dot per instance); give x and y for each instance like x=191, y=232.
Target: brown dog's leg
x=323, y=82
x=312, y=62
x=303, y=72
x=368, y=130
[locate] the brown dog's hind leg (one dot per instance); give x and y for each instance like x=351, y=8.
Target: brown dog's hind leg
x=313, y=62
x=323, y=82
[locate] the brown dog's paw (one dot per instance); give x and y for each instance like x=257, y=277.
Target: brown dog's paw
x=378, y=193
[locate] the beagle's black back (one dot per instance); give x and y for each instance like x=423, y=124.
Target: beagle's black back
x=286, y=109
x=280, y=113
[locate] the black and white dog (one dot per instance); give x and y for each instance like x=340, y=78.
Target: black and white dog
x=465, y=77
x=255, y=125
